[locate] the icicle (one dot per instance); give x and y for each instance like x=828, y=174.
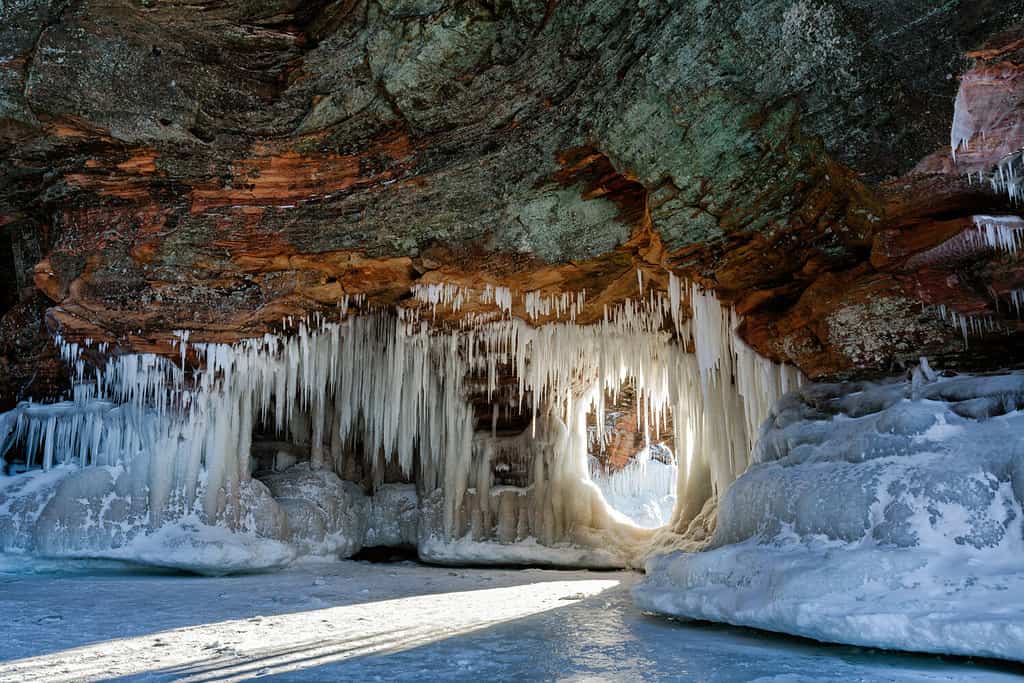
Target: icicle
x=394, y=386
x=1017, y=300
x=969, y=325
x=1009, y=177
x=1001, y=233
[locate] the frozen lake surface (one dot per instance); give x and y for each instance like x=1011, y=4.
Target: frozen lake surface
x=357, y=621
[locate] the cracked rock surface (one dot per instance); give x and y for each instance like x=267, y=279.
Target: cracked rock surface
x=217, y=165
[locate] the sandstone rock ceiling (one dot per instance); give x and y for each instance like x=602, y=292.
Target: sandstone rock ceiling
x=217, y=165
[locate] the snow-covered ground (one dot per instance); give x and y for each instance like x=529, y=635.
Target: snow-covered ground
x=317, y=621
x=887, y=515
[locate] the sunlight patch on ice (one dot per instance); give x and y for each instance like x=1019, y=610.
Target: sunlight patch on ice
x=241, y=649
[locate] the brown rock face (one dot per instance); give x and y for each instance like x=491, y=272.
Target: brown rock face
x=219, y=166
x=928, y=253
x=989, y=121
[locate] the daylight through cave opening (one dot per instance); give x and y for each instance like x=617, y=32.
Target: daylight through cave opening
x=470, y=441
x=633, y=463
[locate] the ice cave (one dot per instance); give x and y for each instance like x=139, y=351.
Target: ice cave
x=429, y=340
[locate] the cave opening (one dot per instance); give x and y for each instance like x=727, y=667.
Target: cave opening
x=490, y=442
x=635, y=469
x=387, y=554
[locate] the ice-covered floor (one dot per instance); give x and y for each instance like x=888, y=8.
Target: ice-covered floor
x=357, y=621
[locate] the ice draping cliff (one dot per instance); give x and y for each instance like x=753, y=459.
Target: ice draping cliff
x=174, y=443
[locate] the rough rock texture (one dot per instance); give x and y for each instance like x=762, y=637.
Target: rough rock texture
x=217, y=165
x=394, y=517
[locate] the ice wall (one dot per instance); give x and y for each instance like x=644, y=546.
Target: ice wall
x=887, y=515
x=176, y=440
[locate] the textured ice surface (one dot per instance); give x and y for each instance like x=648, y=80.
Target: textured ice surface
x=325, y=514
x=102, y=512
x=192, y=546
x=22, y=499
x=354, y=621
x=394, y=516
x=529, y=552
x=886, y=515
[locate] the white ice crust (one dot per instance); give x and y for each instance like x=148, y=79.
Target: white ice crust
x=884, y=515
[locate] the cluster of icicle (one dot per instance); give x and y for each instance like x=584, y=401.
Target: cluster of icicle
x=967, y=324
x=1004, y=234
x=1009, y=176
x=1017, y=300
x=395, y=388
x=1001, y=233
x=115, y=414
x=536, y=305
x=995, y=123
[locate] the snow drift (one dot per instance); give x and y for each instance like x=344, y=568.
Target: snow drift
x=102, y=512
x=885, y=515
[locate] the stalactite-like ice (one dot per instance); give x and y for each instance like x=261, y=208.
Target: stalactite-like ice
x=968, y=325
x=1002, y=233
x=977, y=116
x=394, y=389
x=1016, y=300
x=1009, y=176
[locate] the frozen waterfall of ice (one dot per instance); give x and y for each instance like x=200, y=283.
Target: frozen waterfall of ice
x=886, y=515
x=147, y=444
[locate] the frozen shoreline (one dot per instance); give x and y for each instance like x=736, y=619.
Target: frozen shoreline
x=886, y=515
x=349, y=620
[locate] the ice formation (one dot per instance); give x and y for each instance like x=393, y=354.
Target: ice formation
x=985, y=118
x=968, y=325
x=536, y=305
x=886, y=515
x=644, y=491
x=1009, y=175
x=391, y=390
x=992, y=126
x=1001, y=233
x=1017, y=300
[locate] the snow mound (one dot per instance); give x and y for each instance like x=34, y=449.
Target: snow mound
x=22, y=499
x=885, y=515
x=103, y=512
x=192, y=546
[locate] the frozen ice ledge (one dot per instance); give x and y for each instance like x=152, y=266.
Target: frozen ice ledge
x=152, y=459
x=886, y=515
